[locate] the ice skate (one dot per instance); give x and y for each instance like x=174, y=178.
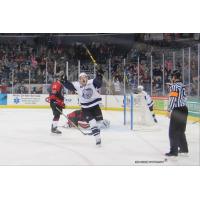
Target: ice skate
x=98, y=140
x=170, y=154
x=55, y=130
x=155, y=120
x=183, y=153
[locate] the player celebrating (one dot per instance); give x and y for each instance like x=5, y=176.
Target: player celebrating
x=89, y=99
x=56, y=99
x=149, y=101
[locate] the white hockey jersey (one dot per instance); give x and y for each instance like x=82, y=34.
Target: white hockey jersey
x=88, y=95
x=148, y=99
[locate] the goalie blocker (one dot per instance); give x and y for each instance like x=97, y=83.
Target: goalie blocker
x=77, y=118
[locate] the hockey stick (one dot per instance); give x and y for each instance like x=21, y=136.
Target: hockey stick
x=95, y=63
x=84, y=133
x=89, y=53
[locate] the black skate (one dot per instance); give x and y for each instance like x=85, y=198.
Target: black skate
x=98, y=140
x=55, y=130
x=155, y=120
x=96, y=133
x=171, y=154
x=183, y=153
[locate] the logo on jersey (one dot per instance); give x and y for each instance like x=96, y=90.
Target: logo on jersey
x=87, y=93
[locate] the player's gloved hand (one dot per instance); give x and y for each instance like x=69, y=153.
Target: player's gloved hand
x=100, y=71
x=63, y=79
x=60, y=103
x=63, y=105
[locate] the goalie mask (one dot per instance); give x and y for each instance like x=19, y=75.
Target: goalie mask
x=83, y=79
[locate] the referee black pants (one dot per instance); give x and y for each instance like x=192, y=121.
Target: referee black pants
x=177, y=128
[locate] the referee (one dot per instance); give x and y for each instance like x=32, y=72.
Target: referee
x=177, y=112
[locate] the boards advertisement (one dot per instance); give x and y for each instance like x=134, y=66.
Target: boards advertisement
x=3, y=99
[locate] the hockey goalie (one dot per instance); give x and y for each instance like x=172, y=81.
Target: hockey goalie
x=76, y=117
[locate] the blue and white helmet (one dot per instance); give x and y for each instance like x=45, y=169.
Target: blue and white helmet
x=83, y=74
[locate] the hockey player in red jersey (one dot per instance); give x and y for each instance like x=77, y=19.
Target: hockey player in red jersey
x=76, y=117
x=56, y=98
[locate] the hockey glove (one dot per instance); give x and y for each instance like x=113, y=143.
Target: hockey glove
x=100, y=72
x=63, y=79
x=60, y=103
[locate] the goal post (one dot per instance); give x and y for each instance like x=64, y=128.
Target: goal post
x=128, y=110
x=136, y=111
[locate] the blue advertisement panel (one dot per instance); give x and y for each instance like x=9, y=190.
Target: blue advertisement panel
x=3, y=99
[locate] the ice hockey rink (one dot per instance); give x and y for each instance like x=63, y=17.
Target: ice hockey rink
x=25, y=139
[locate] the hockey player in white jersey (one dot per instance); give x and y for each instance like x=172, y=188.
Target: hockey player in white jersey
x=89, y=99
x=149, y=101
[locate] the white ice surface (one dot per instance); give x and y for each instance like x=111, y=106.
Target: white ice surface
x=25, y=139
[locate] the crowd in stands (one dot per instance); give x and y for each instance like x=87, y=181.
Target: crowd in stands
x=144, y=55
x=18, y=60
x=23, y=62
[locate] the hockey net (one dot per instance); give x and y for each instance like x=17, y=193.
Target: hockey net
x=136, y=111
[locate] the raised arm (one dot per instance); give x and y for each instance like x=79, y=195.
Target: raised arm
x=98, y=80
x=67, y=84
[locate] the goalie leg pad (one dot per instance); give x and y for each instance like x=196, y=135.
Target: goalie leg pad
x=106, y=123
x=103, y=124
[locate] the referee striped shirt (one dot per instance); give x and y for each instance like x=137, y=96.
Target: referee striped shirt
x=177, y=96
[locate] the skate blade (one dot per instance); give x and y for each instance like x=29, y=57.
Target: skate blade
x=184, y=155
x=55, y=134
x=98, y=145
x=172, y=158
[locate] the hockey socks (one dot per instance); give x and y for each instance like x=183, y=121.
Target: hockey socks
x=54, y=127
x=96, y=134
